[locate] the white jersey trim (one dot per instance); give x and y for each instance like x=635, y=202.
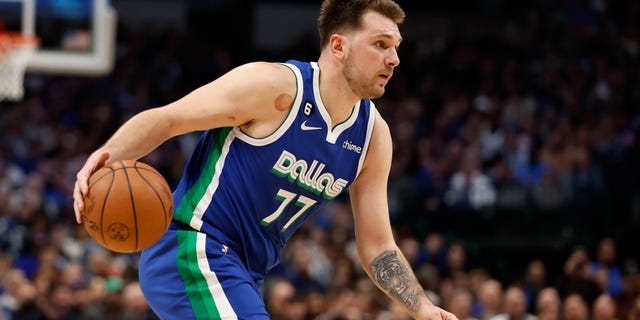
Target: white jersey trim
x=293, y=113
x=205, y=201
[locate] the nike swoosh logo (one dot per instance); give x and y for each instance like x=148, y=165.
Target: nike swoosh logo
x=305, y=127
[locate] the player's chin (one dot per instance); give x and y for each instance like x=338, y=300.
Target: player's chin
x=377, y=92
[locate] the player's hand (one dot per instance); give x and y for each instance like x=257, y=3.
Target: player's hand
x=435, y=313
x=93, y=163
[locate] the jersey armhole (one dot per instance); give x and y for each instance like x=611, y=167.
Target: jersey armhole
x=288, y=120
x=370, y=125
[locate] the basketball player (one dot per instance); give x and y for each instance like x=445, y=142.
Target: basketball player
x=279, y=141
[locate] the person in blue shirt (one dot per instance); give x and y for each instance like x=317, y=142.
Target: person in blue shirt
x=280, y=139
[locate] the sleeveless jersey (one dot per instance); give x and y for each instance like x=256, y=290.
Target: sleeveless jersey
x=252, y=194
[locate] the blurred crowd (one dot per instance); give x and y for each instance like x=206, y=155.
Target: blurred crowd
x=320, y=279
x=508, y=126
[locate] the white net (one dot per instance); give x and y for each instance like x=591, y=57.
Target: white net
x=15, y=52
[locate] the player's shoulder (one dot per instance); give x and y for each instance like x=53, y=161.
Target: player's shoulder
x=263, y=66
x=378, y=157
x=381, y=127
x=380, y=145
x=275, y=74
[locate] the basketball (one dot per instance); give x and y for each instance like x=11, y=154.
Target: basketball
x=128, y=207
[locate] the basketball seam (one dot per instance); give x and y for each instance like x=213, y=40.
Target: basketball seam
x=151, y=171
x=141, y=168
x=104, y=204
x=102, y=176
x=133, y=204
x=164, y=209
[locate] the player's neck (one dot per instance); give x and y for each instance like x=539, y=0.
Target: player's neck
x=335, y=91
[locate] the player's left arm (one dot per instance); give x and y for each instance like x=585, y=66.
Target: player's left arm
x=379, y=255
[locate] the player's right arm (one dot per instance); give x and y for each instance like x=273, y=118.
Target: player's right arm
x=247, y=96
x=379, y=254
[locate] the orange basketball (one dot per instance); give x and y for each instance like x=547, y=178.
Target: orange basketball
x=128, y=207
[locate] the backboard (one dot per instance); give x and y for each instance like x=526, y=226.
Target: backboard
x=77, y=37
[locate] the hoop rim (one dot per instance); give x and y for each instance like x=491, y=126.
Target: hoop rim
x=16, y=39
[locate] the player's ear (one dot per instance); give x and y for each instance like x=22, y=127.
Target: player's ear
x=337, y=45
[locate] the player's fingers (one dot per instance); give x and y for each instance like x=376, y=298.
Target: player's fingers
x=77, y=212
x=78, y=203
x=449, y=316
x=82, y=182
x=95, y=162
x=81, y=188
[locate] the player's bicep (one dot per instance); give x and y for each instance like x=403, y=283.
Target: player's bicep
x=234, y=99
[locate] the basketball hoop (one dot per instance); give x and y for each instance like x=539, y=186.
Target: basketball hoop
x=15, y=51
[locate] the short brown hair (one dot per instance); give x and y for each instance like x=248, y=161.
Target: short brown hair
x=342, y=15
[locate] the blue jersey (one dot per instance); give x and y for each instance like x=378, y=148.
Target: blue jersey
x=251, y=194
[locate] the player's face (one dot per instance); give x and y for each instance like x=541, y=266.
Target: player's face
x=373, y=56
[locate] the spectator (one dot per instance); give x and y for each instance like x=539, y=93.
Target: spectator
x=278, y=294
x=429, y=277
x=585, y=179
x=435, y=251
x=457, y=264
x=135, y=305
x=515, y=306
x=604, y=308
x=490, y=299
x=533, y=169
x=575, y=277
x=469, y=187
x=316, y=304
x=410, y=247
x=534, y=281
x=606, y=262
x=460, y=303
x=548, y=304
x=18, y=298
x=510, y=194
x=574, y=307
x=303, y=261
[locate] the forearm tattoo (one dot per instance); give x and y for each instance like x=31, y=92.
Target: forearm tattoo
x=394, y=275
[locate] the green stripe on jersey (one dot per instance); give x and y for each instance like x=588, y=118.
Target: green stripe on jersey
x=192, y=197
